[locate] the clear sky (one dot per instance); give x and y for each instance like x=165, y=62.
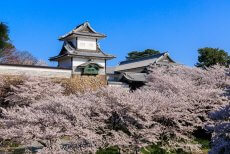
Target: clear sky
x=177, y=26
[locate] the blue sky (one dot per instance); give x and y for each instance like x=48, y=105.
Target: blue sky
x=177, y=26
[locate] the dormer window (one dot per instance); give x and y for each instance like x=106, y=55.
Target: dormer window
x=90, y=68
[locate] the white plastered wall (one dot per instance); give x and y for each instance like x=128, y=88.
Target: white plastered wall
x=35, y=71
x=86, y=43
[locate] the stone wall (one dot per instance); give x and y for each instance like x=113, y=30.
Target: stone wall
x=84, y=82
x=41, y=71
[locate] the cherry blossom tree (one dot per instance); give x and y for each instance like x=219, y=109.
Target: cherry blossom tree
x=33, y=89
x=221, y=135
x=175, y=102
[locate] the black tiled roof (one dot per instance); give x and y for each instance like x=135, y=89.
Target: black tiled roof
x=141, y=59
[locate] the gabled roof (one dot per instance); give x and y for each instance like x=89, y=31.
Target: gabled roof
x=155, y=56
x=142, y=62
x=82, y=30
x=137, y=77
x=69, y=50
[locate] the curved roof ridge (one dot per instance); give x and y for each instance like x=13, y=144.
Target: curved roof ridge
x=79, y=28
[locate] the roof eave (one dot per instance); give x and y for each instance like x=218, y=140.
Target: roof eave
x=56, y=58
x=134, y=80
x=67, y=37
x=102, y=57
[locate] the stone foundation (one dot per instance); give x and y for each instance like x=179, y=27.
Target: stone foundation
x=81, y=83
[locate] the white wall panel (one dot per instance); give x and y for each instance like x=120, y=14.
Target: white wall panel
x=86, y=43
x=35, y=71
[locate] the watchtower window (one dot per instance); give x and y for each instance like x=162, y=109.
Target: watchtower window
x=91, y=69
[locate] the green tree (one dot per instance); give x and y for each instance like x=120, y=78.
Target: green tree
x=6, y=48
x=212, y=56
x=4, y=37
x=9, y=54
x=139, y=54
